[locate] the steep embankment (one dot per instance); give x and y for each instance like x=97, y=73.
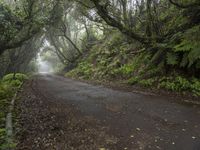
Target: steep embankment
x=117, y=58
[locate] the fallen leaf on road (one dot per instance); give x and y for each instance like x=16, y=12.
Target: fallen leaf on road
x=193, y=137
x=138, y=129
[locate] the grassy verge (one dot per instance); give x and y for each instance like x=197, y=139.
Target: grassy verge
x=8, y=87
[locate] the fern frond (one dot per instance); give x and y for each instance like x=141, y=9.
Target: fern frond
x=172, y=58
x=193, y=55
x=184, y=61
x=198, y=64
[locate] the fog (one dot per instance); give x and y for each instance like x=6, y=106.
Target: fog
x=44, y=66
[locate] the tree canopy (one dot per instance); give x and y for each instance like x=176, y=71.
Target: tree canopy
x=168, y=30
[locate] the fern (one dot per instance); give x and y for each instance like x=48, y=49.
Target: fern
x=184, y=60
x=184, y=46
x=172, y=58
x=189, y=48
x=194, y=55
x=198, y=64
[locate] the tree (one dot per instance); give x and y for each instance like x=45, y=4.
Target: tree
x=23, y=21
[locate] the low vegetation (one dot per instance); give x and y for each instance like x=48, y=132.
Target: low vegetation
x=8, y=86
x=114, y=60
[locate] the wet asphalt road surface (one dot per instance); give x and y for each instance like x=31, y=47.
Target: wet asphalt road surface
x=138, y=121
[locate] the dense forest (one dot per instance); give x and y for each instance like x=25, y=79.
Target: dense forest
x=148, y=43
x=133, y=40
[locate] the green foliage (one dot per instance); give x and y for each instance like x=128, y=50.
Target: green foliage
x=143, y=82
x=2, y=136
x=2, y=132
x=134, y=66
x=147, y=82
x=14, y=81
x=7, y=27
x=180, y=84
x=5, y=90
x=6, y=93
x=8, y=86
x=172, y=59
x=83, y=70
x=177, y=84
x=126, y=69
x=133, y=80
x=190, y=47
x=18, y=76
x=112, y=61
x=8, y=146
x=195, y=86
x=21, y=20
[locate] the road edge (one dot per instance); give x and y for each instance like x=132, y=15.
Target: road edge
x=9, y=122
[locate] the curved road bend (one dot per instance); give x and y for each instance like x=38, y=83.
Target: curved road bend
x=150, y=121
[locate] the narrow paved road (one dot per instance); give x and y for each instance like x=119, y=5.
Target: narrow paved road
x=137, y=121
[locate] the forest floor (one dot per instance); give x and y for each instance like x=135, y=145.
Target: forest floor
x=64, y=114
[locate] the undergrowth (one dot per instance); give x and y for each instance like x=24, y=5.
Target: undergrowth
x=117, y=58
x=8, y=86
x=172, y=83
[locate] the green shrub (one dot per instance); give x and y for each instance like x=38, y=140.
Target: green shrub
x=8, y=86
x=133, y=80
x=2, y=136
x=18, y=76
x=142, y=82
x=5, y=90
x=195, y=86
x=16, y=81
x=125, y=70
x=180, y=84
x=147, y=82
x=168, y=85
x=177, y=84
x=83, y=70
x=190, y=46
